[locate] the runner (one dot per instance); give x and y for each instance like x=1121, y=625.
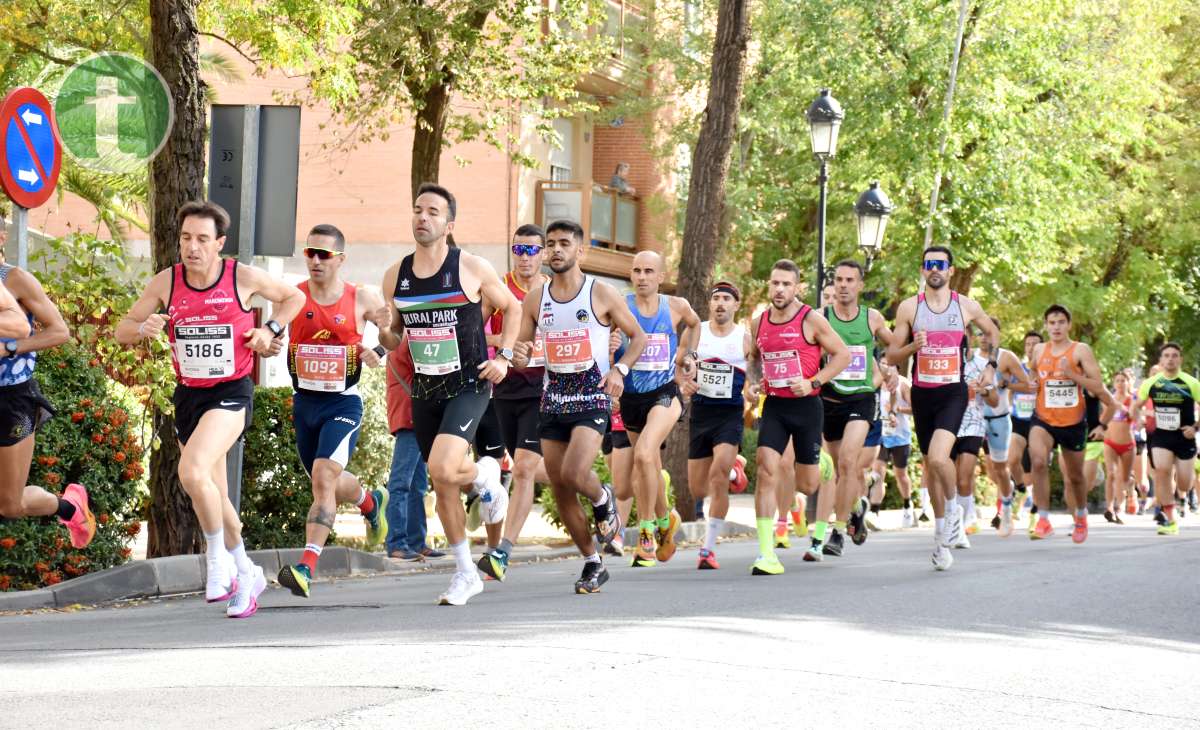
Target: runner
x=981, y=392
x=1022, y=405
x=516, y=400
x=1064, y=367
x=785, y=362
x=850, y=404
x=1118, y=450
x=325, y=360
x=213, y=346
x=897, y=437
x=1011, y=378
x=869, y=464
x=23, y=408
x=650, y=404
x=933, y=326
x=437, y=290
x=717, y=406
x=1173, y=444
x=574, y=312
x=618, y=455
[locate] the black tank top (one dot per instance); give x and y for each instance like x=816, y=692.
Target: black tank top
x=445, y=330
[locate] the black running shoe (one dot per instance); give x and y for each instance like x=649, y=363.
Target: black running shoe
x=1159, y=517
x=924, y=517
x=1108, y=516
x=608, y=522
x=996, y=522
x=833, y=546
x=594, y=575
x=856, y=527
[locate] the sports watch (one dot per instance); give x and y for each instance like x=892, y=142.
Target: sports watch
x=10, y=348
x=275, y=327
x=622, y=368
x=506, y=353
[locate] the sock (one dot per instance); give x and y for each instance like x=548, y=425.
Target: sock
x=65, y=510
x=766, y=537
x=663, y=522
x=479, y=480
x=908, y=503
x=646, y=526
x=366, y=503
x=1081, y=512
x=593, y=558
x=839, y=525
x=1170, y=510
x=781, y=523
x=462, y=557
x=925, y=503
x=215, y=543
x=732, y=474
x=603, y=499
x=1020, y=488
x=1006, y=501
x=874, y=509
x=312, y=552
x=710, y=535
x=939, y=525
x=819, y=530
x=1044, y=516
x=967, y=505
x=241, y=558
x=506, y=546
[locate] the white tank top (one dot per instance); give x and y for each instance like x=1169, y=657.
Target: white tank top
x=1002, y=384
x=722, y=366
x=576, y=352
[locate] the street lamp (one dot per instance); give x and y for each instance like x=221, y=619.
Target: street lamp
x=824, y=119
x=872, y=210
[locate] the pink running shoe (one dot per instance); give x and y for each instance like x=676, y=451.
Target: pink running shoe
x=1079, y=534
x=82, y=526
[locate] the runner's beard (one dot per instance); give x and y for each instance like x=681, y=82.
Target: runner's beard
x=936, y=281
x=562, y=266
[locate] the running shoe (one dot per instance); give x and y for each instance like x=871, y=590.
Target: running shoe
x=494, y=564
x=1159, y=517
x=1117, y=518
x=942, y=557
x=1043, y=530
x=666, y=539
x=799, y=523
x=1169, y=528
x=708, y=560
x=221, y=582
x=781, y=537
x=643, y=554
x=1141, y=510
x=871, y=518
x=608, y=522
x=907, y=518
x=953, y=522
x=738, y=481
x=1033, y=520
x=615, y=548
x=996, y=522
x=594, y=575
x=462, y=587
x=815, y=552
x=493, y=498
x=924, y=517
x=1006, y=523
x=960, y=541
x=1193, y=502
x=1016, y=509
x=856, y=527
x=971, y=529
x=82, y=525
x=834, y=545
x=295, y=578
x=1079, y=532
x=474, y=515
x=244, y=603
x=1130, y=505
x=769, y=565
x=376, y=519
x=1108, y=516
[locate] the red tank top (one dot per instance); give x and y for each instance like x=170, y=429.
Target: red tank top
x=207, y=330
x=525, y=383
x=787, y=355
x=323, y=352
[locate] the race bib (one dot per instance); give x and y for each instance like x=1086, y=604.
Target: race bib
x=568, y=351
x=1167, y=418
x=1061, y=394
x=537, y=358
x=434, y=350
x=938, y=365
x=657, y=355
x=715, y=380
x=857, y=369
x=780, y=368
x=321, y=368
x=204, y=351
x=889, y=427
x=1024, y=404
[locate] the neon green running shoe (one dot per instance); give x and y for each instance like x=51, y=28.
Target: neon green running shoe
x=296, y=579
x=376, y=519
x=1170, y=528
x=767, y=566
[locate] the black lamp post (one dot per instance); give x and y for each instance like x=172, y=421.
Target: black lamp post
x=872, y=210
x=824, y=119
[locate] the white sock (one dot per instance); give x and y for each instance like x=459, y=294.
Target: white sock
x=603, y=499
x=964, y=503
x=241, y=558
x=971, y=507
x=939, y=528
x=710, y=535
x=462, y=557
x=362, y=497
x=215, y=544
x=926, y=505
x=732, y=474
x=593, y=558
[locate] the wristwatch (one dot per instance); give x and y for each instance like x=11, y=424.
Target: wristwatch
x=10, y=348
x=622, y=368
x=275, y=327
x=380, y=351
x=505, y=353
x=815, y=383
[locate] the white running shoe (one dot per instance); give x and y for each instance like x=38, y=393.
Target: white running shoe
x=942, y=557
x=222, y=578
x=1006, y=522
x=953, y=522
x=462, y=587
x=493, y=497
x=907, y=518
x=245, y=600
x=961, y=541
x=872, y=521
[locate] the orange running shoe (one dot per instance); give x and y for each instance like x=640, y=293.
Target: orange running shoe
x=1043, y=529
x=82, y=526
x=708, y=561
x=1130, y=505
x=666, y=539
x=1079, y=534
x=738, y=481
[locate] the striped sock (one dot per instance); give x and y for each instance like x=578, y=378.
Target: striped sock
x=312, y=552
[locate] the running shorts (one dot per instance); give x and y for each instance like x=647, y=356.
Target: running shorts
x=937, y=409
x=710, y=425
x=897, y=456
x=489, y=438
x=558, y=426
x=792, y=419
x=636, y=407
x=999, y=430
x=1020, y=427
x=327, y=426
x=457, y=416
x=1070, y=438
x=192, y=403
x=24, y=409
x=1093, y=451
x=838, y=413
x=1175, y=442
x=966, y=445
x=519, y=424
x=875, y=435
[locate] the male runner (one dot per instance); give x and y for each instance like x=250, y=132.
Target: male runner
x=1011, y=377
x=325, y=360
x=23, y=408
x=650, y=405
x=849, y=404
x=1023, y=404
x=213, y=345
x=437, y=290
x=960, y=505
x=896, y=408
x=785, y=361
x=1173, y=443
x=574, y=312
x=516, y=400
x=717, y=407
x=1064, y=368
x=933, y=324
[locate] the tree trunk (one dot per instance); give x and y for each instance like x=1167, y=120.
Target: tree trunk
x=706, y=195
x=176, y=176
x=430, y=129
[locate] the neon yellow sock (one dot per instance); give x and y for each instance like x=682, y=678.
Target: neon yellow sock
x=646, y=526
x=663, y=522
x=766, y=536
x=839, y=526
x=819, y=531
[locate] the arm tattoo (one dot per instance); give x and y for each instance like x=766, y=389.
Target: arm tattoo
x=318, y=515
x=754, y=370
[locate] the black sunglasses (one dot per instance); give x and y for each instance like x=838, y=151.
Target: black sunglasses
x=323, y=254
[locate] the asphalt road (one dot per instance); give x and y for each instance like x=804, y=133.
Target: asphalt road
x=1017, y=634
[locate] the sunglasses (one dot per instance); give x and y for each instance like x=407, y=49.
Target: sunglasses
x=936, y=264
x=526, y=249
x=323, y=254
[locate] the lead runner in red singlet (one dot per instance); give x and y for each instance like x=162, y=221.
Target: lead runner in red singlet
x=213, y=344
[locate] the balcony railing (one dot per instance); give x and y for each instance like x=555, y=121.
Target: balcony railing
x=623, y=25
x=608, y=216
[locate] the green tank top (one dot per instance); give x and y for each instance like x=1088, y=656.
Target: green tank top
x=858, y=377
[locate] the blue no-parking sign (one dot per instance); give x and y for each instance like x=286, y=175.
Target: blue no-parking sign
x=31, y=153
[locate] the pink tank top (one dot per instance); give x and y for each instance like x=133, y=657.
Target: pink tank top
x=787, y=355
x=207, y=330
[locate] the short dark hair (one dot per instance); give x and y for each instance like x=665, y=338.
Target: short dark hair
x=1056, y=309
x=851, y=263
x=1031, y=333
x=1170, y=346
x=204, y=209
x=438, y=190
x=530, y=229
x=787, y=265
x=328, y=229
x=571, y=227
x=939, y=249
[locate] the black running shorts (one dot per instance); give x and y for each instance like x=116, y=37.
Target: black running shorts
x=458, y=416
x=558, y=426
x=712, y=425
x=1070, y=438
x=845, y=409
x=1175, y=442
x=792, y=419
x=937, y=409
x=519, y=424
x=192, y=403
x=23, y=409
